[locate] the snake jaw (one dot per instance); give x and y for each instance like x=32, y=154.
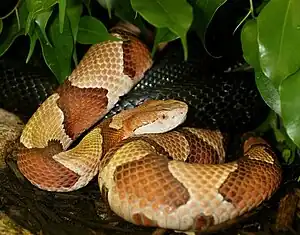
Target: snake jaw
x=167, y=118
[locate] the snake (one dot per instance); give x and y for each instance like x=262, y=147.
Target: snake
x=152, y=170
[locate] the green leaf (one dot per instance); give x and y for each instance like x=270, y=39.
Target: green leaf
x=92, y=31
x=204, y=10
x=290, y=106
x=33, y=36
x=62, y=13
x=278, y=38
x=74, y=11
x=37, y=6
x=177, y=16
x=42, y=20
x=58, y=57
x=249, y=44
x=125, y=12
x=1, y=25
x=16, y=28
x=163, y=35
x=268, y=92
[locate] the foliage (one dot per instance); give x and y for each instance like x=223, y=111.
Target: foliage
x=270, y=38
x=53, y=23
x=270, y=45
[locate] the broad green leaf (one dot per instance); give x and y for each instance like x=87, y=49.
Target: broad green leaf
x=177, y=16
x=58, y=57
x=33, y=36
x=249, y=44
x=204, y=10
x=124, y=11
x=37, y=6
x=62, y=13
x=1, y=25
x=15, y=29
x=290, y=106
x=42, y=20
x=163, y=35
x=268, y=92
x=92, y=31
x=74, y=11
x=278, y=38
x=108, y=4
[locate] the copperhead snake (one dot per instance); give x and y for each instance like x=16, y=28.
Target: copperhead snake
x=149, y=179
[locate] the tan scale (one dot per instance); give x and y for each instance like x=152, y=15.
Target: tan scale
x=183, y=217
x=123, y=155
x=111, y=74
x=200, y=151
x=83, y=159
x=101, y=70
x=111, y=77
x=46, y=124
x=127, y=210
x=173, y=143
x=257, y=154
x=213, y=138
x=203, y=183
x=148, y=190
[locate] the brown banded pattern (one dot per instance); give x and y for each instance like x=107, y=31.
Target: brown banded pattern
x=74, y=102
x=38, y=165
x=92, y=89
x=145, y=187
x=149, y=179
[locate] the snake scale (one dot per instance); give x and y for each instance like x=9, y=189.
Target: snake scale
x=149, y=179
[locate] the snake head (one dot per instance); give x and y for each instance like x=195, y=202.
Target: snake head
x=251, y=141
x=154, y=116
x=127, y=27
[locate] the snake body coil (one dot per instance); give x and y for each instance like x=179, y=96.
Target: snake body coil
x=216, y=99
x=140, y=174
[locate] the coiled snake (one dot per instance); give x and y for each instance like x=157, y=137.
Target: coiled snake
x=147, y=178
